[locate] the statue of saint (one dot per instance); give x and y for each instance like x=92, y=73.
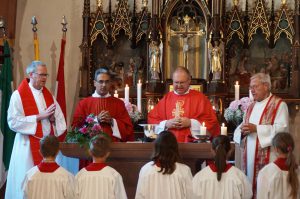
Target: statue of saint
x=154, y=60
x=215, y=59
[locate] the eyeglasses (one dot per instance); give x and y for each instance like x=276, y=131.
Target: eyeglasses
x=42, y=75
x=103, y=81
x=181, y=83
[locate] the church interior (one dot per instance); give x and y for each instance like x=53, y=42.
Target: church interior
x=221, y=42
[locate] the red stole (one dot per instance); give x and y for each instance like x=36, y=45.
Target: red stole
x=281, y=163
x=214, y=168
x=30, y=108
x=48, y=167
x=262, y=155
x=95, y=166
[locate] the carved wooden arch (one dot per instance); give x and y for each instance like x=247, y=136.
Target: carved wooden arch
x=171, y=4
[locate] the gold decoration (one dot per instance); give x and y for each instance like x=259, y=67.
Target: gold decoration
x=235, y=2
x=259, y=20
x=178, y=111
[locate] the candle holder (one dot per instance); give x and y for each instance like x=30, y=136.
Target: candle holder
x=201, y=138
x=149, y=132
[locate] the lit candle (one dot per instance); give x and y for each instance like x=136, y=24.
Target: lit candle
x=126, y=93
x=203, y=129
x=214, y=108
x=236, y=91
x=250, y=95
x=223, y=129
x=139, y=96
x=116, y=94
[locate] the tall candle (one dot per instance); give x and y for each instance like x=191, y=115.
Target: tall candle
x=126, y=93
x=223, y=129
x=139, y=96
x=203, y=129
x=250, y=95
x=236, y=91
x=116, y=94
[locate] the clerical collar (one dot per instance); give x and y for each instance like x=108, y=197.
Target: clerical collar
x=183, y=93
x=95, y=94
x=34, y=89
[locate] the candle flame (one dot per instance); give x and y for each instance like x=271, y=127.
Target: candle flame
x=203, y=124
x=223, y=125
x=237, y=83
x=139, y=81
x=126, y=85
x=116, y=92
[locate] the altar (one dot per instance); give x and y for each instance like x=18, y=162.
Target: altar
x=128, y=158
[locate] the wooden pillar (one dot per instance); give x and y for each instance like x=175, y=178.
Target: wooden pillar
x=85, y=84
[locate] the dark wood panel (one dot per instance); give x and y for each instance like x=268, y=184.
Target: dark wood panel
x=8, y=10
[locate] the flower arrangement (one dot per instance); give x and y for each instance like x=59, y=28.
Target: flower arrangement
x=83, y=135
x=236, y=110
x=133, y=112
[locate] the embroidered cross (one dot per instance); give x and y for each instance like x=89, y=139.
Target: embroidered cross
x=178, y=111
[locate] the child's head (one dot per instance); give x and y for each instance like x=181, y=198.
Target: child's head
x=283, y=142
x=284, y=145
x=49, y=146
x=99, y=146
x=221, y=146
x=166, y=152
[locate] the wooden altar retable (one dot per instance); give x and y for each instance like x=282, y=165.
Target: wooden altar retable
x=128, y=158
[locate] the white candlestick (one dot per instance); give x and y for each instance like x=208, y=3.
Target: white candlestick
x=250, y=95
x=139, y=96
x=126, y=93
x=203, y=129
x=236, y=91
x=223, y=129
x=116, y=94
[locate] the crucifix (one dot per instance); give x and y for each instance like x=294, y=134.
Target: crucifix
x=185, y=35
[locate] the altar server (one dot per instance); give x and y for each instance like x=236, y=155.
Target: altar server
x=48, y=180
x=280, y=179
x=220, y=179
x=164, y=177
x=98, y=180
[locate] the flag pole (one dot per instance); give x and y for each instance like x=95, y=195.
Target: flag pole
x=35, y=39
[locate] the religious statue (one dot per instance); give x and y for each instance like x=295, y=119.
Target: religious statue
x=154, y=60
x=215, y=55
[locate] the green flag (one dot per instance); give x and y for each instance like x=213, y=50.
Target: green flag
x=6, y=89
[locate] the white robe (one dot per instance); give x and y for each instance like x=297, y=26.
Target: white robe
x=153, y=184
x=265, y=133
x=21, y=157
x=106, y=183
x=233, y=185
x=272, y=183
x=41, y=185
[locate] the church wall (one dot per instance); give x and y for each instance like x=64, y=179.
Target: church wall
x=49, y=15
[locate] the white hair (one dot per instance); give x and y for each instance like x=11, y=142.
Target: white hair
x=263, y=78
x=31, y=68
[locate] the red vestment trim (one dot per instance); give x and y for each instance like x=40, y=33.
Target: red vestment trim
x=281, y=163
x=214, y=168
x=30, y=108
x=48, y=167
x=95, y=166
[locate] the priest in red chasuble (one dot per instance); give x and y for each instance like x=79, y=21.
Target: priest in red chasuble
x=183, y=110
x=110, y=111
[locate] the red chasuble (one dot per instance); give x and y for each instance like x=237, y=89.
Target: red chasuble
x=117, y=110
x=193, y=105
x=30, y=108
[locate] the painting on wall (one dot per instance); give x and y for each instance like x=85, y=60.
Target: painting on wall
x=127, y=65
x=243, y=63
